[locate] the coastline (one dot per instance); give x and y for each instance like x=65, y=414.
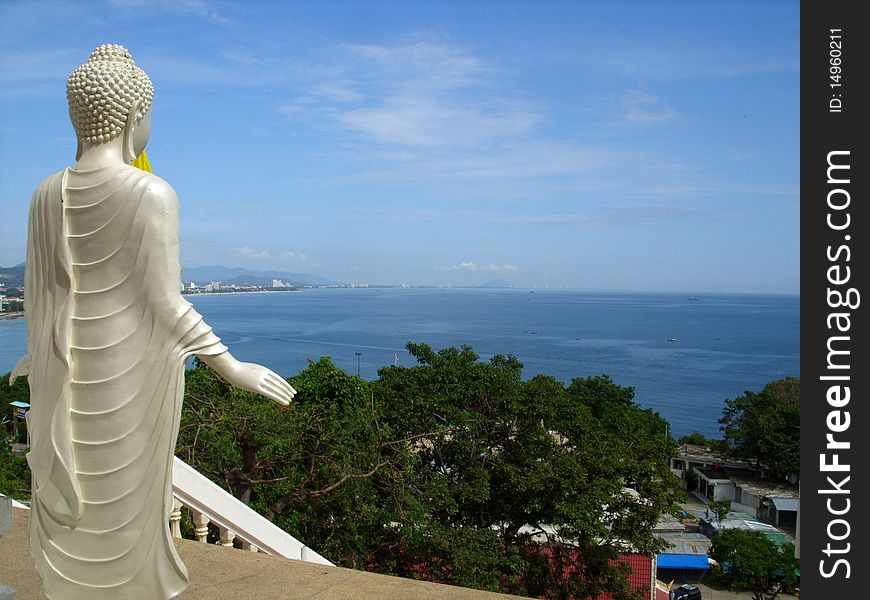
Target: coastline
x=20, y=313
x=241, y=292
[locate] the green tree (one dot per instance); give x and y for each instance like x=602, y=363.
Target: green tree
x=698, y=439
x=600, y=394
x=14, y=470
x=583, y=469
x=20, y=391
x=720, y=510
x=765, y=427
x=692, y=480
x=695, y=438
x=749, y=560
x=308, y=467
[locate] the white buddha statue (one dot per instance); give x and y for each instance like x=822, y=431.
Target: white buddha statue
x=109, y=333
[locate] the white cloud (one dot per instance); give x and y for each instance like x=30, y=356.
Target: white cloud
x=645, y=109
x=417, y=95
x=437, y=65
x=297, y=258
x=293, y=256
x=247, y=252
x=472, y=266
x=419, y=120
x=337, y=91
x=200, y=8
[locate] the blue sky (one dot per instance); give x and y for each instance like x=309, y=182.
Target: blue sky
x=646, y=146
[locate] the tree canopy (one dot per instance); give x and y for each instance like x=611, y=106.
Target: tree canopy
x=582, y=468
x=454, y=470
x=764, y=427
x=749, y=560
x=303, y=467
x=698, y=439
x=14, y=472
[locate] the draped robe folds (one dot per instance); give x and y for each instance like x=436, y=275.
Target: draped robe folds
x=109, y=333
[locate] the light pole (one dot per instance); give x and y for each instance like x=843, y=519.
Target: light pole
x=358, y=354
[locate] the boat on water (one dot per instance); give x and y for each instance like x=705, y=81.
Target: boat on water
x=672, y=339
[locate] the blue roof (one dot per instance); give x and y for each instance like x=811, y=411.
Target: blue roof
x=682, y=561
x=19, y=404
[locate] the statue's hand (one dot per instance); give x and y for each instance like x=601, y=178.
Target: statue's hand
x=251, y=377
x=260, y=380
x=22, y=369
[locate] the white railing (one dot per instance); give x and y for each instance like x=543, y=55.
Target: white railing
x=208, y=502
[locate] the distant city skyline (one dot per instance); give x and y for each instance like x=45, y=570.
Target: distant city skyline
x=587, y=145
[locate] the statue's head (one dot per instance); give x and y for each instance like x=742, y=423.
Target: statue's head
x=110, y=96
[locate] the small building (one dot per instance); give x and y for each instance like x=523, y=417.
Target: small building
x=715, y=484
x=19, y=409
x=740, y=520
x=776, y=502
x=681, y=568
x=692, y=457
x=685, y=558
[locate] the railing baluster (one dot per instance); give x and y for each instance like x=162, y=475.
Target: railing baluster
x=200, y=522
x=227, y=537
x=175, y=518
x=249, y=546
x=209, y=503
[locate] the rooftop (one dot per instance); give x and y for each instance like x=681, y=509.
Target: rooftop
x=766, y=487
x=718, y=473
x=703, y=454
x=668, y=522
x=685, y=543
x=739, y=520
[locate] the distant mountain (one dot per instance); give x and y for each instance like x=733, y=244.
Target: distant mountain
x=12, y=276
x=241, y=276
x=496, y=283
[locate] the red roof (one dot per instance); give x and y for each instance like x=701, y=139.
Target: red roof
x=641, y=576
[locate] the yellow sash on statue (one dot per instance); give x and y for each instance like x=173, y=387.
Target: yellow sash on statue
x=142, y=163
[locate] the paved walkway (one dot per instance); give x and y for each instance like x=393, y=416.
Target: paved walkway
x=218, y=573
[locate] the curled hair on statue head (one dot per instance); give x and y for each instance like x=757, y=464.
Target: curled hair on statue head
x=103, y=92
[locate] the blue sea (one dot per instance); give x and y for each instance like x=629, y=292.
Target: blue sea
x=684, y=357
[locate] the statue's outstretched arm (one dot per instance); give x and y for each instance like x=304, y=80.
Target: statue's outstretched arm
x=249, y=376
x=252, y=377
x=21, y=369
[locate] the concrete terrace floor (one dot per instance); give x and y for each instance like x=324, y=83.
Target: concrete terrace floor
x=217, y=573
